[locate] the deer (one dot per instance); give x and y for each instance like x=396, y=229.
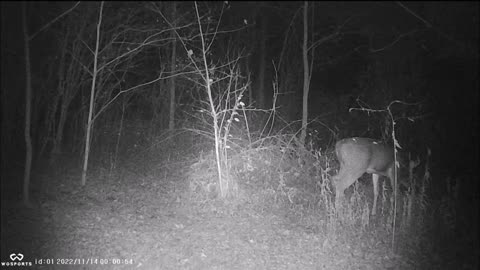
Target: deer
x=358, y=156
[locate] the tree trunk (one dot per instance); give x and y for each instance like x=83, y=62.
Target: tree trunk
x=171, y=122
x=306, y=73
x=58, y=141
x=59, y=99
x=262, y=66
x=92, y=99
x=28, y=105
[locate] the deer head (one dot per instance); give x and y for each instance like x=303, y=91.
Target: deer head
x=358, y=156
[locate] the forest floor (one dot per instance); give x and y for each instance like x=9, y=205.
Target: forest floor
x=133, y=221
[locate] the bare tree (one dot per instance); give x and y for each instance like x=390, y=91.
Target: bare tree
x=171, y=122
x=120, y=47
x=28, y=106
x=306, y=74
x=92, y=97
x=261, y=97
x=70, y=76
x=28, y=97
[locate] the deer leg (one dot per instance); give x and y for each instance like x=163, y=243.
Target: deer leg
x=375, y=193
x=342, y=181
x=394, y=183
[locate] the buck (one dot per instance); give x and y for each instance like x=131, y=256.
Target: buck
x=358, y=156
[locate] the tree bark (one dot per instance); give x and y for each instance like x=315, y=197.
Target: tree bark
x=92, y=99
x=262, y=67
x=306, y=73
x=28, y=105
x=171, y=122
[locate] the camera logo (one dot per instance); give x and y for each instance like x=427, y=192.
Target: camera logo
x=15, y=257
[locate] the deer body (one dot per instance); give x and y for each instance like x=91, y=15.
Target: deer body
x=362, y=155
